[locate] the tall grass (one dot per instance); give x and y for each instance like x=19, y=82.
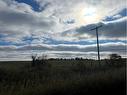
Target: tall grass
x=62, y=77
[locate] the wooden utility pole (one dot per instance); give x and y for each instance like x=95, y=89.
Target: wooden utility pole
x=98, y=50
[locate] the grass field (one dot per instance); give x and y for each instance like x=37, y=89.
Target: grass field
x=62, y=77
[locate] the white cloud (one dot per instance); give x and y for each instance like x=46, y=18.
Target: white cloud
x=62, y=50
x=19, y=19
x=114, y=46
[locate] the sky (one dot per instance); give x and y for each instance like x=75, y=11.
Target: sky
x=61, y=28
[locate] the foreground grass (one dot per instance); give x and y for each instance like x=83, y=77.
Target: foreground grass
x=66, y=77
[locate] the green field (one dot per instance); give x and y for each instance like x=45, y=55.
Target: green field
x=62, y=77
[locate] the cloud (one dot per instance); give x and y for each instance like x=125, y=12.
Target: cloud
x=15, y=55
x=62, y=50
x=115, y=29
x=111, y=46
x=19, y=20
x=109, y=30
x=7, y=48
x=15, y=18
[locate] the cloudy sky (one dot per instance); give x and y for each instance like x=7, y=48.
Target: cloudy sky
x=61, y=28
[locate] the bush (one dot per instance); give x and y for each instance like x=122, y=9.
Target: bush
x=116, y=60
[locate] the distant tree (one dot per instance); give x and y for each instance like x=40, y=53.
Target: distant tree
x=116, y=60
x=43, y=58
x=37, y=60
x=77, y=58
x=33, y=60
x=81, y=58
x=114, y=56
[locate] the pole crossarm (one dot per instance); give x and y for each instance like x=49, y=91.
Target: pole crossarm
x=96, y=27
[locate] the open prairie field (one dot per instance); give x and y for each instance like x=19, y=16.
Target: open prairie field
x=62, y=77
x=63, y=47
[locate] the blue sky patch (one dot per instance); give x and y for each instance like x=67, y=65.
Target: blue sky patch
x=120, y=14
x=35, y=5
